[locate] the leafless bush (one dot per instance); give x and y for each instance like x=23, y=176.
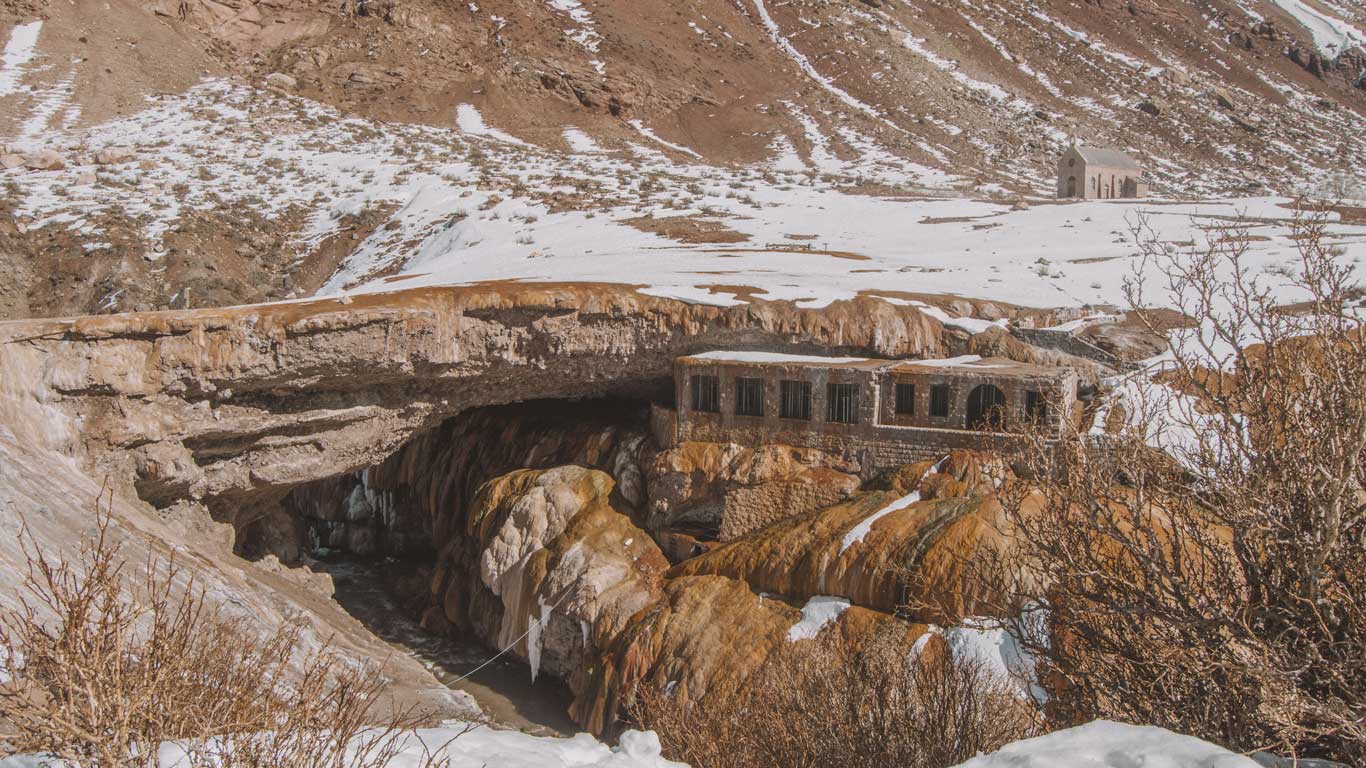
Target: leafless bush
x=99, y=676
x=826, y=703
x=1216, y=586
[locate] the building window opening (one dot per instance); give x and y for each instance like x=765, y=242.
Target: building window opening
x=1036, y=407
x=987, y=408
x=749, y=397
x=939, y=401
x=796, y=400
x=842, y=403
x=905, y=399
x=706, y=394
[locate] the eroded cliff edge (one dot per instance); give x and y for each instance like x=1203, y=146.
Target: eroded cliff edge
x=228, y=410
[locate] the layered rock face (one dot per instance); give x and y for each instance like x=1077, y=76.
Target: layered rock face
x=238, y=406
x=543, y=522
x=416, y=499
x=921, y=530
x=556, y=569
x=551, y=565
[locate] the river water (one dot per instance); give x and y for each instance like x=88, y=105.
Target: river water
x=503, y=688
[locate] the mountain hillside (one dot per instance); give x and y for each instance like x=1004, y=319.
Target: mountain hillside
x=191, y=152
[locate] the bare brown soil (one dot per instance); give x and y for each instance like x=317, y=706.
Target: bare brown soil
x=688, y=229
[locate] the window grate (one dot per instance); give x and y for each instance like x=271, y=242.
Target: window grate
x=706, y=394
x=796, y=400
x=905, y=399
x=841, y=404
x=749, y=397
x=940, y=395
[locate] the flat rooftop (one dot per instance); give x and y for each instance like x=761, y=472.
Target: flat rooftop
x=967, y=364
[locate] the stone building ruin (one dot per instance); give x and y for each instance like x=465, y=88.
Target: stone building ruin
x=1093, y=173
x=884, y=413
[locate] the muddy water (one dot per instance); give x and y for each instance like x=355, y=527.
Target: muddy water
x=503, y=689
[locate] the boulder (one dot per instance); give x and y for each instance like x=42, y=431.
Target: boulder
x=11, y=161
x=1309, y=61
x=282, y=81
x=1175, y=76
x=1154, y=107
x=44, y=160
x=1224, y=99
x=114, y=155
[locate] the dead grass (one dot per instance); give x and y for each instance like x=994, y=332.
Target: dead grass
x=828, y=702
x=100, y=666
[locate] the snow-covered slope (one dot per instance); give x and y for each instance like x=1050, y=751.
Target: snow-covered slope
x=471, y=203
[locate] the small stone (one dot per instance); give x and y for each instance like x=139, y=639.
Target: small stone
x=9, y=162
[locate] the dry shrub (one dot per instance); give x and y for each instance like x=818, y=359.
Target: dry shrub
x=98, y=676
x=825, y=702
x=1215, y=587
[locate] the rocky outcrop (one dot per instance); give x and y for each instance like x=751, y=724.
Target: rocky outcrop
x=548, y=569
x=998, y=342
x=238, y=406
x=723, y=491
x=883, y=549
x=417, y=498
x=706, y=637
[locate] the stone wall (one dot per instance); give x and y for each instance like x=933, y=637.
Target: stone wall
x=873, y=447
x=880, y=438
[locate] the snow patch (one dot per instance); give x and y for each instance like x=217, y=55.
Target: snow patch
x=972, y=325
x=18, y=52
x=581, y=142
x=858, y=532
x=468, y=120
x=1104, y=744
x=1332, y=35
x=652, y=136
x=917, y=45
x=463, y=744
x=947, y=362
x=806, y=66
x=816, y=614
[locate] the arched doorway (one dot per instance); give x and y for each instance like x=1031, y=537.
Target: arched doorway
x=1071, y=186
x=987, y=408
